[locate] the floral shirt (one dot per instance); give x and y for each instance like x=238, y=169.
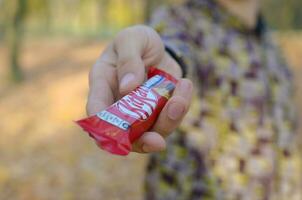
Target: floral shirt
x=238, y=139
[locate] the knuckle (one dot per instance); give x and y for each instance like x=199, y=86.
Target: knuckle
x=142, y=27
x=165, y=131
x=122, y=36
x=135, y=32
x=132, y=30
x=130, y=63
x=165, y=127
x=182, y=101
x=124, y=63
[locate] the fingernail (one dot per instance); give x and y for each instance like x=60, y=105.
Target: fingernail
x=185, y=86
x=175, y=111
x=126, y=80
x=147, y=148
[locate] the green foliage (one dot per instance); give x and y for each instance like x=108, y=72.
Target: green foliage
x=103, y=17
x=283, y=14
x=14, y=34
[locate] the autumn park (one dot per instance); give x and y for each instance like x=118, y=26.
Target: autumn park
x=46, y=50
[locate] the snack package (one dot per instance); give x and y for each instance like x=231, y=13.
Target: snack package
x=117, y=127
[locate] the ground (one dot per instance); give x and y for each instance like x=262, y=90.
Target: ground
x=43, y=154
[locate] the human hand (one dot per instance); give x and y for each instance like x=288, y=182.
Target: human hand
x=122, y=67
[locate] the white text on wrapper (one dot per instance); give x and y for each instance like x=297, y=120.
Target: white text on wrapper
x=113, y=119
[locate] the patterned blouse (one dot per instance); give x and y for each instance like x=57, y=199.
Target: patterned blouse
x=238, y=140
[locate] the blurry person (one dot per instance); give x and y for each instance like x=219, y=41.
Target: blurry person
x=238, y=138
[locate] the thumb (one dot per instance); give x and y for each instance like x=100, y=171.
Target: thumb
x=136, y=48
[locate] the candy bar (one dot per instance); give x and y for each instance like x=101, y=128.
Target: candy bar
x=117, y=127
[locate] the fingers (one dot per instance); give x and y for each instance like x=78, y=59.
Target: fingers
x=136, y=47
x=121, y=67
x=168, y=64
x=169, y=119
x=175, y=109
x=102, y=83
x=149, y=142
x=100, y=96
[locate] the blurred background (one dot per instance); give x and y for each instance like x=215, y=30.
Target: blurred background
x=46, y=50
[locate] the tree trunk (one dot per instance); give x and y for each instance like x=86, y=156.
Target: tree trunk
x=14, y=37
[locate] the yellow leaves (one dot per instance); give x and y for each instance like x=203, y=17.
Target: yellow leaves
x=4, y=175
x=66, y=98
x=120, y=13
x=43, y=154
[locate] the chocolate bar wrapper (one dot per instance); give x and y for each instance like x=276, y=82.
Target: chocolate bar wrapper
x=117, y=127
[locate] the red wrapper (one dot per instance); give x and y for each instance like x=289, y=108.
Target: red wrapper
x=117, y=127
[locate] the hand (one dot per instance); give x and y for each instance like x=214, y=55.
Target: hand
x=123, y=66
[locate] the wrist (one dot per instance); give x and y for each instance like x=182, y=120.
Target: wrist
x=172, y=66
x=177, y=57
